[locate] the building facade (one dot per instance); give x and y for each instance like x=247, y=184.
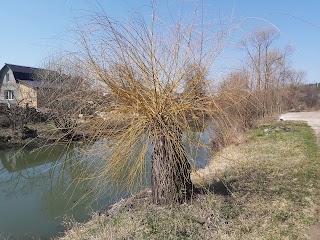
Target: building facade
x=18, y=85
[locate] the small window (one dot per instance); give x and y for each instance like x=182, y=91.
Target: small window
x=7, y=77
x=8, y=95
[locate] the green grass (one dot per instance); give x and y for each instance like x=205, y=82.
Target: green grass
x=275, y=194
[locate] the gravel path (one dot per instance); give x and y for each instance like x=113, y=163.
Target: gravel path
x=313, y=119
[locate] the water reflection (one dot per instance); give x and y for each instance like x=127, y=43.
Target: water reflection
x=15, y=160
x=38, y=187
x=198, y=147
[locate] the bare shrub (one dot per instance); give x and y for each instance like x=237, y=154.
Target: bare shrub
x=150, y=85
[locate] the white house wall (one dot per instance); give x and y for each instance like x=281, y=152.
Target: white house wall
x=8, y=85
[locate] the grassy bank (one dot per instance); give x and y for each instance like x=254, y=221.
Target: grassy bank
x=265, y=188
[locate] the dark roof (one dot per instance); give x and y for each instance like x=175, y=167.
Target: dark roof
x=28, y=76
x=23, y=72
x=38, y=84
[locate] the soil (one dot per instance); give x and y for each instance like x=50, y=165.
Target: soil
x=36, y=134
x=10, y=139
x=313, y=119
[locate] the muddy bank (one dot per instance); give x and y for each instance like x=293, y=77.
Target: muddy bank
x=10, y=138
x=35, y=135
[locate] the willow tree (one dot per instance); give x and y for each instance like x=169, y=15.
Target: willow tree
x=140, y=67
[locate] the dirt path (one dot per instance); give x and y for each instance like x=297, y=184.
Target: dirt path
x=313, y=119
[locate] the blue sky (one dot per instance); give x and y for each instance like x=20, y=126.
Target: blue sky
x=33, y=30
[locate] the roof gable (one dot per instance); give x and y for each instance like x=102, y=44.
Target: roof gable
x=23, y=72
x=32, y=77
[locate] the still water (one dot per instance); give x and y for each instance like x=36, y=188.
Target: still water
x=41, y=187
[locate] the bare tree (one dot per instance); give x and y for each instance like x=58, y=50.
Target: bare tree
x=64, y=95
x=246, y=107
x=16, y=116
x=269, y=68
x=195, y=82
x=143, y=67
x=257, y=46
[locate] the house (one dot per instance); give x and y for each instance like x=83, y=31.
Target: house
x=19, y=85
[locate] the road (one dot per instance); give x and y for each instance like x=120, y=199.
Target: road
x=312, y=118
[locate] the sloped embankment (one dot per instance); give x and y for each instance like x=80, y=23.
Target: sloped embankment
x=265, y=188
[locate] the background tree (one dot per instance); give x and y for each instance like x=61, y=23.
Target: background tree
x=257, y=46
x=245, y=108
x=16, y=117
x=195, y=82
x=65, y=95
x=269, y=68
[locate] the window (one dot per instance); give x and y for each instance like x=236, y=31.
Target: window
x=8, y=95
x=7, y=77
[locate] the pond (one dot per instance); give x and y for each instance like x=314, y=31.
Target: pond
x=41, y=187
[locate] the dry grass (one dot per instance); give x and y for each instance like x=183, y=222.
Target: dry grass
x=272, y=183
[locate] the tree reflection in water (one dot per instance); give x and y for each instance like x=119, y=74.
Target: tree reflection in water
x=44, y=184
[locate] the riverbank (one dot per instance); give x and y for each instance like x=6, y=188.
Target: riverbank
x=264, y=188
x=33, y=135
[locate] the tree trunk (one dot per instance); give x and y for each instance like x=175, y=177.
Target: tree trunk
x=170, y=178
